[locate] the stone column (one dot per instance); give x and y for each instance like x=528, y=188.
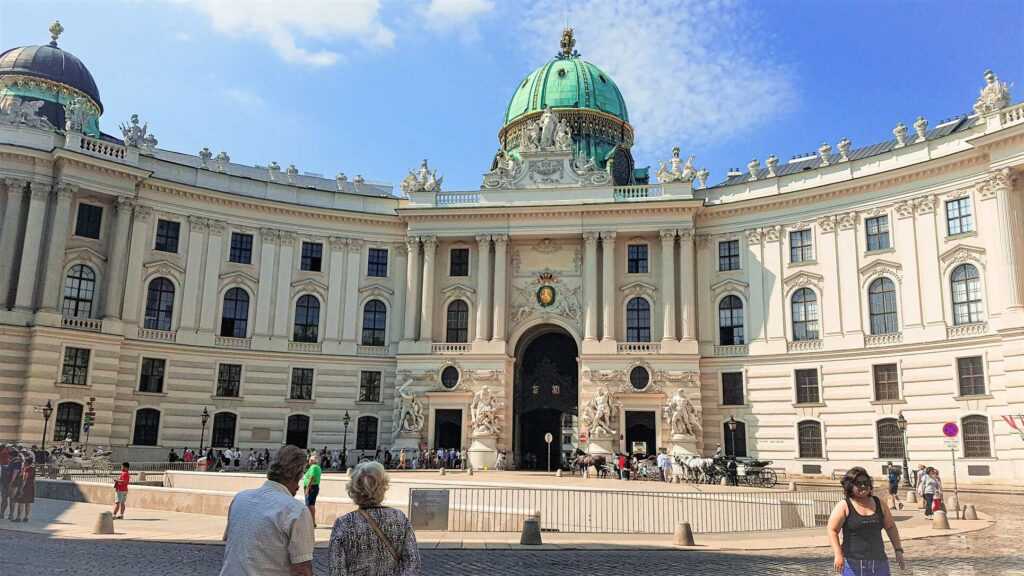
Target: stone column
x=687, y=271
x=608, y=285
x=30, y=251
x=775, y=299
x=928, y=251
x=398, y=307
x=830, y=305
x=265, y=291
x=9, y=236
x=140, y=243
x=412, y=287
x=590, y=287
x=849, y=273
x=668, y=285
x=208, y=319
x=755, y=279
x=114, y=280
x=53, y=278
x=500, y=286
x=283, y=298
x=483, y=287
x=1001, y=183
x=427, y=309
x=190, y=298
x=352, y=274
x=336, y=279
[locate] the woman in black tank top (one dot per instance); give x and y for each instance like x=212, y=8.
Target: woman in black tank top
x=861, y=517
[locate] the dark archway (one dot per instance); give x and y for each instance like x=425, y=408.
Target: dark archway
x=546, y=395
x=448, y=429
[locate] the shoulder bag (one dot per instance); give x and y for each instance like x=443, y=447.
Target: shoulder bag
x=380, y=534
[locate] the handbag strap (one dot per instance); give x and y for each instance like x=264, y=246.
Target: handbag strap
x=380, y=534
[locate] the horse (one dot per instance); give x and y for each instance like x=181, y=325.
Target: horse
x=696, y=469
x=583, y=463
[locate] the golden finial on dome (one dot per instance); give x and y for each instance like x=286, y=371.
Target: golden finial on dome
x=568, y=42
x=55, y=31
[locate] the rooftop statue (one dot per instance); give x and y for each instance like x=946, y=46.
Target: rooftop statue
x=25, y=112
x=686, y=174
x=74, y=114
x=423, y=180
x=994, y=96
x=138, y=136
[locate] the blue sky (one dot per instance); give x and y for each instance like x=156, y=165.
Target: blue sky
x=371, y=88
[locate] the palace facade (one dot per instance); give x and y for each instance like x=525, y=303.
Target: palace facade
x=813, y=304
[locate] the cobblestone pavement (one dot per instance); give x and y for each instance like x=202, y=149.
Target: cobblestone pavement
x=994, y=551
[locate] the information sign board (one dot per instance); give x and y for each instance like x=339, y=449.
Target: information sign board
x=428, y=509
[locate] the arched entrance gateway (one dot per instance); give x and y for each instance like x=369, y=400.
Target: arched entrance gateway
x=546, y=395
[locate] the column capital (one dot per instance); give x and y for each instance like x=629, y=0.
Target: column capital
x=905, y=209
x=399, y=248
x=217, y=226
x=827, y=224
x=996, y=181
x=590, y=238
x=269, y=235
x=754, y=236
x=483, y=239
x=40, y=191
x=608, y=235
x=337, y=242
x=848, y=221
x=499, y=239
x=124, y=204
x=15, y=185
x=286, y=238
x=667, y=235
x=355, y=245
x=925, y=204
x=143, y=213
x=772, y=233
x=412, y=243
x=429, y=242
x=65, y=191
x=685, y=234
x=198, y=223
x=703, y=240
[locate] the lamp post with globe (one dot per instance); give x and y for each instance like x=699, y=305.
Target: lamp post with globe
x=902, y=423
x=732, y=436
x=345, y=420
x=204, y=417
x=47, y=412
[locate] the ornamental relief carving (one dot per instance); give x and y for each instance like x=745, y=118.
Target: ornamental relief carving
x=634, y=289
x=459, y=292
x=880, y=268
x=905, y=209
x=547, y=256
x=771, y=233
x=85, y=255
x=729, y=285
x=827, y=224
x=847, y=221
x=962, y=254
x=925, y=204
x=164, y=268
x=803, y=279
x=310, y=286
x=238, y=278
x=563, y=299
x=754, y=237
x=998, y=180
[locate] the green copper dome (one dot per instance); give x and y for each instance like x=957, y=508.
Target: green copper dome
x=567, y=81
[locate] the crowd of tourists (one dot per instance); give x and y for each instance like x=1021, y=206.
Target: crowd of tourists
x=17, y=481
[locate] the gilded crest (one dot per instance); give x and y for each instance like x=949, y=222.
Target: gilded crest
x=546, y=295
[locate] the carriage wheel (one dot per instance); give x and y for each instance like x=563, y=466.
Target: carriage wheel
x=768, y=478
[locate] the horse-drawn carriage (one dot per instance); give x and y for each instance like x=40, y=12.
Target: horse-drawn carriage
x=749, y=471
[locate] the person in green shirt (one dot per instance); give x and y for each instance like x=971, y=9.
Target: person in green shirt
x=311, y=485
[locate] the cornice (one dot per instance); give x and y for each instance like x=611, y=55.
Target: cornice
x=65, y=157
x=682, y=207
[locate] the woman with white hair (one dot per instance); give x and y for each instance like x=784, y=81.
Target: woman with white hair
x=374, y=540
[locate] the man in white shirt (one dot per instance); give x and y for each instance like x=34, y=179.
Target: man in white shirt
x=269, y=532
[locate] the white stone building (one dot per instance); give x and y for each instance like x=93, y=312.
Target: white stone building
x=813, y=301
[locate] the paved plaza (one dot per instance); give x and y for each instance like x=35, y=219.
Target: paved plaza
x=993, y=551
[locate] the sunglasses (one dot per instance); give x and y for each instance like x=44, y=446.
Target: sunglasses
x=866, y=484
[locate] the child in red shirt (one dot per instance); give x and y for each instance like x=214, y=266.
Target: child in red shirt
x=121, y=491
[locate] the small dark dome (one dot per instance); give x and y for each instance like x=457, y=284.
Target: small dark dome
x=51, y=63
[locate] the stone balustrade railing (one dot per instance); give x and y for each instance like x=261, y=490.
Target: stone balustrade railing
x=639, y=347
x=108, y=150
x=373, y=350
x=1012, y=115
x=158, y=335
x=87, y=324
x=636, y=192
x=967, y=330
x=732, y=350
x=228, y=342
x=804, y=345
x=452, y=198
x=450, y=347
x=872, y=340
x=310, y=347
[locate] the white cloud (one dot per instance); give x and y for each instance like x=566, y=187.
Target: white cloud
x=443, y=15
x=244, y=98
x=283, y=25
x=690, y=74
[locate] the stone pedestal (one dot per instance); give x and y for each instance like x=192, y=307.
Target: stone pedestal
x=408, y=440
x=684, y=445
x=483, y=451
x=602, y=444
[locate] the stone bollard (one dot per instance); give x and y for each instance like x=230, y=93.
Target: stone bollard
x=911, y=497
x=940, y=521
x=104, y=523
x=683, y=535
x=792, y=486
x=724, y=482
x=142, y=477
x=469, y=471
x=953, y=503
x=969, y=512
x=442, y=472
x=531, y=530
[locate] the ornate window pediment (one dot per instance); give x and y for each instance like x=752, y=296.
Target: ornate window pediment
x=376, y=290
x=803, y=279
x=880, y=267
x=85, y=255
x=310, y=286
x=729, y=285
x=164, y=268
x=240, y=278
x=638, y=288
x=962, y=253
x=458, y=291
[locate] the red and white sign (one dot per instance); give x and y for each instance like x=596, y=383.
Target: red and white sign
x=950, y=430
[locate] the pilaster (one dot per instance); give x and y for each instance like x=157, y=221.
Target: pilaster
x=52, y=279
x=608, y=275
x=500, y=286
x=211, y=276
x=668, y=285
x=264, y=310
x=830, y=304
x=142, y=216
x=398, y=307
x=28, y=276
x=190, y=300
x=928, y=250
x=282, y=298
x=114, y=278
x=848, y=257
x=590, y=288
x=687, y=273
x=754, y=264
x=775, y=298
x=483, y=287
x=336, y=279
x=427, y=309
x=353, y=272
x=412, y=287
x=15, y=189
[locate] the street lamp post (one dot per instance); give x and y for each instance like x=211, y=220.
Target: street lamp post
x=47, y=412
x=346, y=420
x=902, y=423
x=732, y=435
x=205, y=417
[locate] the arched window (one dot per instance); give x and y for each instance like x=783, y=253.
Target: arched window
x=147, y=427
x=79, y=287
x=809, y=439
x=890, y=439
x=638, y=320
x=298, y=431
x=375, y=318
x=366, y=433
x=458, y=322
x=966, y=288
x=307, y=319
x=223, y=430
x=730, y=321
x=159, y=304
x=882, y=306
x=68, y=422
x=805, y=315
x=976, y=439
x=735, y=440
x=234, y=320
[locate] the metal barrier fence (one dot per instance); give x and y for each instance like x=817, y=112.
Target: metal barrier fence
x=102, y=469
x=620, y=512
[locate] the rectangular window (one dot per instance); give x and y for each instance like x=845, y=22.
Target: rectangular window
x=877, y=229
x=377, y=263
x=958, y=216
x=88, y=221
x=887, y=384
x=807, y=386
x=152, y=377
x=312, y=256
x=971, y=376
x=459, y=265
x=167, y=233
x=241, y=248
x=732, y=388
x=229, y=380
x=369, y=386
x=729, y=255
x=637, y=259
x=302, y=384
x=76, y=366
x=800, y=248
